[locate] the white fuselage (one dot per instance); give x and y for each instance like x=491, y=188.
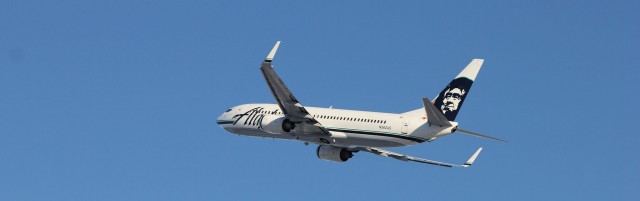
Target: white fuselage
x=347, y=127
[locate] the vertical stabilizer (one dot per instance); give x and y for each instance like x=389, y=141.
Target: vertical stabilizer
x=451, y=98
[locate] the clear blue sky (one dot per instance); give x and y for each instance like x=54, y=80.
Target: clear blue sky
x=117, y=100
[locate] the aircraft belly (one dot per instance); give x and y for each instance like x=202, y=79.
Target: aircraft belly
x=352, y=139
x=375, y=141
x=256, y=132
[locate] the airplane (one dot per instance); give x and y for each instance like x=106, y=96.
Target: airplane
x=339, y=132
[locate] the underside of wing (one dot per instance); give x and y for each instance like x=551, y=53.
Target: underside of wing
x=402, y=157
x=290, y=106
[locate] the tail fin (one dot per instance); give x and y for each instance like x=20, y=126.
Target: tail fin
x=451, y=98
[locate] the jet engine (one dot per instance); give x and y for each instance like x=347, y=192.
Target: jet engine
x=276, y=124
x=333, y=153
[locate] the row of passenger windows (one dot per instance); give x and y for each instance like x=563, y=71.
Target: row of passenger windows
x=336, y=118
x=265, y=112
x=350, y=119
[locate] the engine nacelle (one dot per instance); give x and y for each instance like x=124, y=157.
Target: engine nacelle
x=276, y=124
x=333, y=153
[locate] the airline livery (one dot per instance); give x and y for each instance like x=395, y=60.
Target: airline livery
x=339, y=133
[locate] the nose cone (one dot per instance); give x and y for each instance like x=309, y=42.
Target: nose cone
x=224, y=119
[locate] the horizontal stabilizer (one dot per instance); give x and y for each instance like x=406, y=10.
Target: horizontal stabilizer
x=478, y=134
x=434, y=116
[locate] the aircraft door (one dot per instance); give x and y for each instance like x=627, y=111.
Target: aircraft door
x=405, y=126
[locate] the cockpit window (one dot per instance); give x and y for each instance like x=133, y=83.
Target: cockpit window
x=228, y=110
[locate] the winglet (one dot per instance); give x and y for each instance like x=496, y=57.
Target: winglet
x=273, y=52
x=473, y=158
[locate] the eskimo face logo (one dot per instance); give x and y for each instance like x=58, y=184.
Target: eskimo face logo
x=452, y=98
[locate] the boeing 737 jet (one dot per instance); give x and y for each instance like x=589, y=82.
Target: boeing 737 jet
x=339, y=133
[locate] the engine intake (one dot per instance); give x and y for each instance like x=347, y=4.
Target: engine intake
x=333, y=153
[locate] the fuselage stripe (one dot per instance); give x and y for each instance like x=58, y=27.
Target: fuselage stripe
x=405, y=137
x=224, y=122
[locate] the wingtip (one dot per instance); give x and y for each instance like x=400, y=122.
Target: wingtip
x=473, y=158
x=272, y=54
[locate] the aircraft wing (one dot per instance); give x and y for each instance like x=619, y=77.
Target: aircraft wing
x=403, y=157
x=290, y=106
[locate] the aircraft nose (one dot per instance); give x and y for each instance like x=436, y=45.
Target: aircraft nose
x=224, y=119
x=220, y=117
